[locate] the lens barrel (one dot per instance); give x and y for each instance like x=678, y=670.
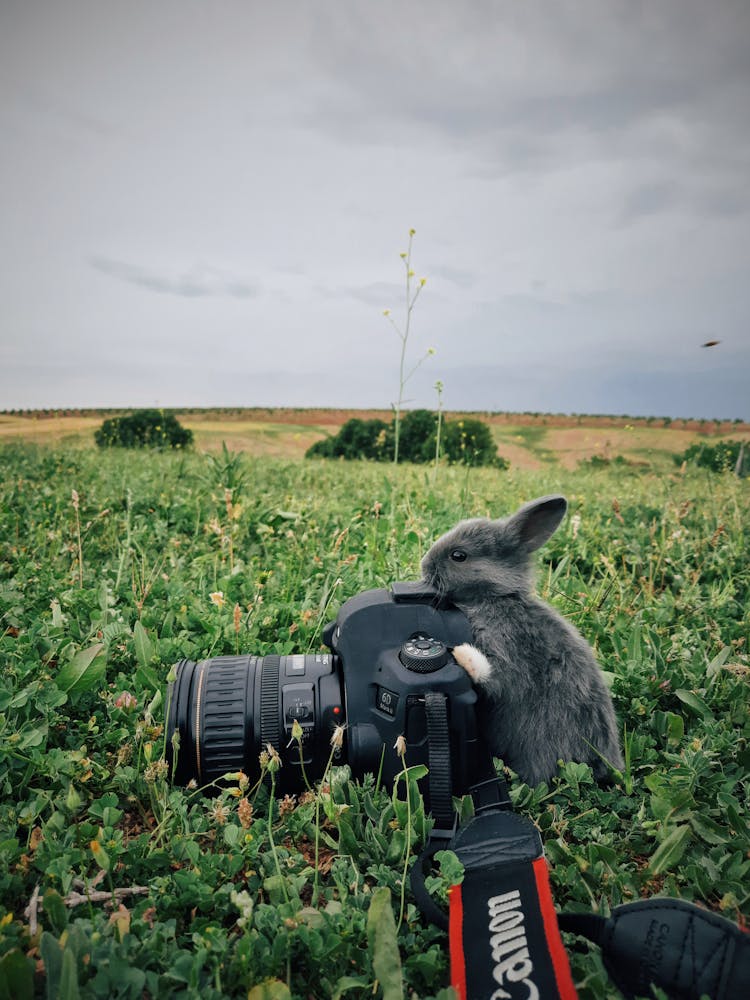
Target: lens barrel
x=227, y=709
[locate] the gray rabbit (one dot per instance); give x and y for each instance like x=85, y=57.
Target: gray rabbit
x=543, y=697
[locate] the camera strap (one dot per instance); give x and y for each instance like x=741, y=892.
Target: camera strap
x=504, y=934
x=502, y=928
x=687, y=951
x=504, y=940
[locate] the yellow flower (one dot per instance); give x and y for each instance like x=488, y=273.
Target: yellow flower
x=217, y=598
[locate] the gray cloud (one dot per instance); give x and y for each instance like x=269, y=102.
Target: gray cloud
x=377, y=294
x=198, y=281
x=649, y=199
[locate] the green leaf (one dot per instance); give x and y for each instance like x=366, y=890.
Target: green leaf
x=55, y=911
x=675, y=728
x=348, y=842
x=450, y=867
x=415, y=772
x=708, y=830
x=275, y=887
x=272, y=989
x=69, y=977
x=114, y=631
x=144, y=652
x=382, y=945
x=718, y=662
x=671, y=849
x=84, y=672
x=16, y=976
x=231, y=835
x=733, y=810
x=348, y=983
x=635, y=650
x=52, y=957
x=670, y=726
x=32, y=736
x=698, y=705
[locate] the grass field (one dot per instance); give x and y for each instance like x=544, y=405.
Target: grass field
x=114, y=565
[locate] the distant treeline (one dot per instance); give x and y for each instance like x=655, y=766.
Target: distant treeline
x=700, y=424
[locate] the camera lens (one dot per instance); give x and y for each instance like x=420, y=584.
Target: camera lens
x=227, y=709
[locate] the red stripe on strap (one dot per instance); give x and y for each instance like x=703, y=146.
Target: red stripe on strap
x=456, y=940
x=560, y=963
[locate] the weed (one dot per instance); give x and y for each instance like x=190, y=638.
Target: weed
x=403, y=332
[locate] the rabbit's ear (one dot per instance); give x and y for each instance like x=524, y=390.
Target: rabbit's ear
x=537, y=521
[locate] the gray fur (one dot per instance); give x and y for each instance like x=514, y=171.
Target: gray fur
x=545, y=699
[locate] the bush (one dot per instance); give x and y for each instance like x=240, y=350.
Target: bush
x=464, y=442
x=470, y=442
x=356, y=439
x=417, y=436
x=143, y=429
x=721, y=457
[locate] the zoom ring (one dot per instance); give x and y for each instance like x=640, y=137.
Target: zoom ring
x=224, y=709
x=269, y=703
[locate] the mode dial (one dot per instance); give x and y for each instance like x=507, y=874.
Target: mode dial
x=424, y=654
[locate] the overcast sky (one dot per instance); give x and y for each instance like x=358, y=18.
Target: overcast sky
x=203, y=203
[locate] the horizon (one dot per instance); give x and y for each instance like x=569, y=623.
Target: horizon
x=379, y=410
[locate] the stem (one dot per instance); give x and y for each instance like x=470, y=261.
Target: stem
x=302, y=766
x=270, y=839
x=322, y=616
x=80, y=549
x=316, y=891
x=439, y=388
x=380, y=768
x=407, y=848
x=314, y=901
x=124, y=550
x=404, y=337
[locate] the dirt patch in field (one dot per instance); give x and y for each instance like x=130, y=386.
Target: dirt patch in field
x=635, y=443
x=38, y=428
x=518, y=455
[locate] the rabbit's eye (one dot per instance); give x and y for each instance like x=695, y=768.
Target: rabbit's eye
x=458, y=555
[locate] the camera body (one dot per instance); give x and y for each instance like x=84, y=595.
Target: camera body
x=393, y=646
x=390, y=653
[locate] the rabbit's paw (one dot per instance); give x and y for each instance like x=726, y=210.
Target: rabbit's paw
x=474, y=662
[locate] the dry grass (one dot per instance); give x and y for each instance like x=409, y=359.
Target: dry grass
x=528, y=441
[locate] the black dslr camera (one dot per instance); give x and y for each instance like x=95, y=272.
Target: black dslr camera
x=390, y=673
